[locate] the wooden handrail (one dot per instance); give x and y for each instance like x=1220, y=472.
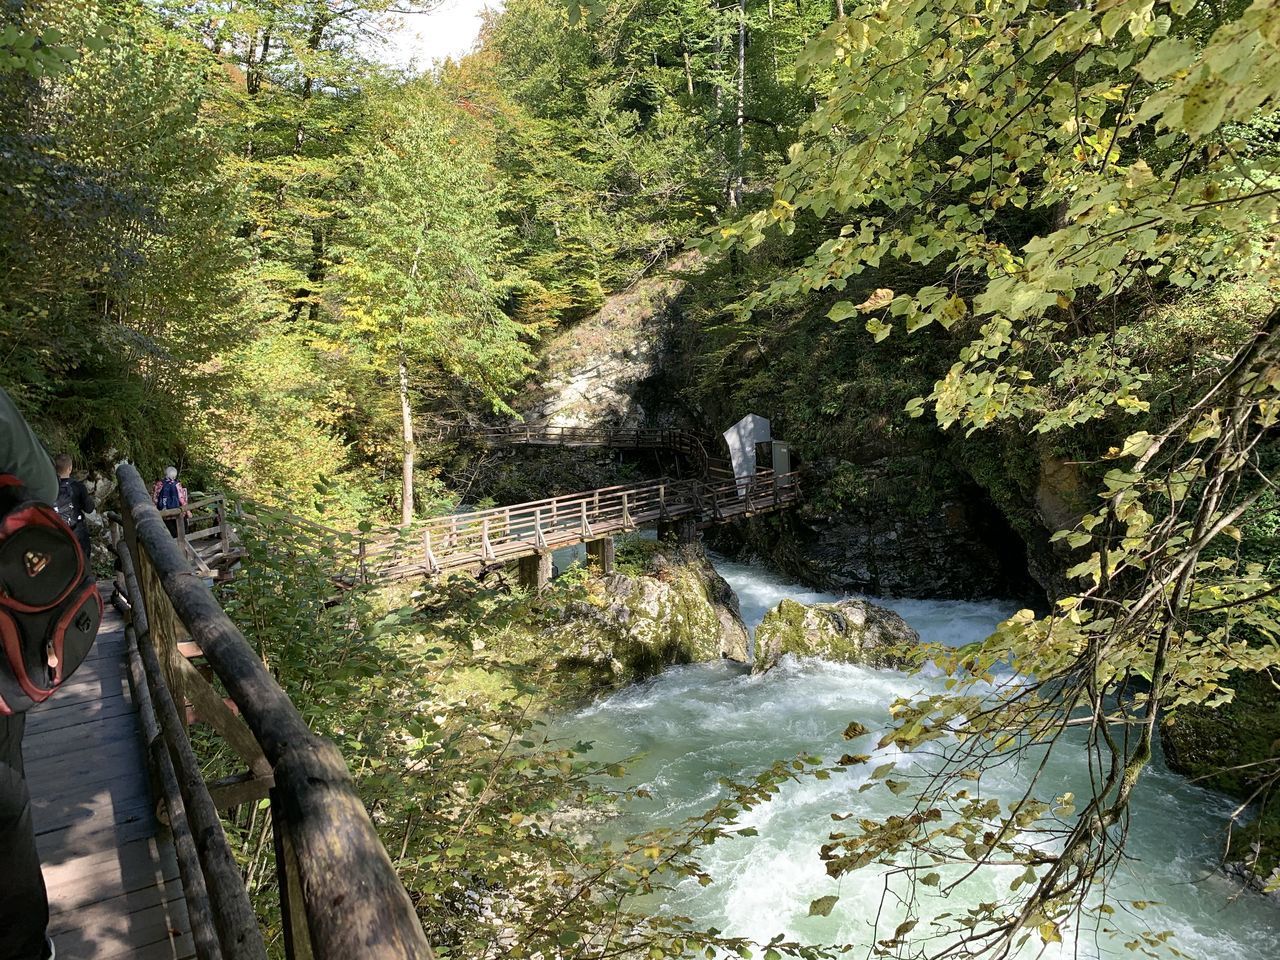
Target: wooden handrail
x=504, y=533
x=681, y=441
x=338, y=856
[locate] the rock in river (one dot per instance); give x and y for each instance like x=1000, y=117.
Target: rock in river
x=678, y=610
x=850, y=631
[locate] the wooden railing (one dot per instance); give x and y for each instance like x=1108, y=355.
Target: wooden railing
x=484, y=537
x=340, y=897
x=205, y=535
x=685, y=442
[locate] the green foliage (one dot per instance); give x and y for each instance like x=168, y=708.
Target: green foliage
x=116, y=232
x=494, y=827
x=1083, y=198
x=1053, y=171
x=418, y=248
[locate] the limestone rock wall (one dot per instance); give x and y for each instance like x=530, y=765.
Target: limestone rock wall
x=593, y=371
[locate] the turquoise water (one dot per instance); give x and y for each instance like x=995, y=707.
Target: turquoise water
x=699, y=723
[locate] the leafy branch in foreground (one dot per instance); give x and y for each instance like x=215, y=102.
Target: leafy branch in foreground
x=1167, y=613
x=1050, y=173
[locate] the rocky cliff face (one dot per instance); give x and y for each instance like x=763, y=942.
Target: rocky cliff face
x=957, y=546
x=884, y=516
x=628, y=627
x=849, y=631
x=593, y=371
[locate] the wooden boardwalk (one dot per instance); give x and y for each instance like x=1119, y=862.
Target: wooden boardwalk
x=110, y=869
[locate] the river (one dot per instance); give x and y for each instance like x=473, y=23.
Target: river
x=694, y=725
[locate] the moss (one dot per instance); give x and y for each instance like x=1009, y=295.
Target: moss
x=1227, y=748
x=635, y=554
x=851, y=631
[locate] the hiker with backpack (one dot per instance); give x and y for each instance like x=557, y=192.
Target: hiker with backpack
x=169, y=494
x=49, y=616
x=74, y=502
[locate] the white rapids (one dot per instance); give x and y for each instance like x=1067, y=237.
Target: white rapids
x=694, y=725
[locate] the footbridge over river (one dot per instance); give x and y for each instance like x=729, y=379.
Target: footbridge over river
x=130, y=823
x=529, y=532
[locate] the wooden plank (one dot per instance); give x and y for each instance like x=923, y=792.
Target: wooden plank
x=43, y=719
x=131, y=856
x=149, y=924
x=114, y=914
x=110, y=875
x=134, y=866
x=111, y=682
x=89, y=818
x=89, y=758
x=78, y=840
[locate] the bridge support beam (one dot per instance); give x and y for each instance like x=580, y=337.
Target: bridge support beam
x=535, y=571
x=601, y=555
x=684, y=530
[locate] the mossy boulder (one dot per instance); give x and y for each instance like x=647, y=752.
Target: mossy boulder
x=631, y=625
x=849, y=631
x=1235, y=748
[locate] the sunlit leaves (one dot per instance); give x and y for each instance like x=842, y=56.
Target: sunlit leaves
x=1052, y=128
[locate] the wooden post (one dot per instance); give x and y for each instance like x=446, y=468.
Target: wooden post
x=626, y=512
x=433, y=565
x=293, y=907
x=486, y=548
x=601, y=555
x=224, y=530
x=535, y=571
x=585, y=526
x=539, y=538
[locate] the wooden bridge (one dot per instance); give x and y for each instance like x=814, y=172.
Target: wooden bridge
x=136, y=857
x=532, y=530
x=206, y=536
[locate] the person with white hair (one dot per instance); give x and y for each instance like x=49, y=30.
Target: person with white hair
x=169, y=494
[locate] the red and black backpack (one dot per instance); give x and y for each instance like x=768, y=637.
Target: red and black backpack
x=49, y=609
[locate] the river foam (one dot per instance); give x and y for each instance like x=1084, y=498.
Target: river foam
x=694, y=725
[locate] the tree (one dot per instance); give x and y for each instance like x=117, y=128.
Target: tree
x=419, y=259
x=116, y=234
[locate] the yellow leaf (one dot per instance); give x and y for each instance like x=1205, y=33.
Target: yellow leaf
x=880, y=298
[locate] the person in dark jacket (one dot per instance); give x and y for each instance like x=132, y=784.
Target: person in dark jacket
x=24, y=903
x=74, y=504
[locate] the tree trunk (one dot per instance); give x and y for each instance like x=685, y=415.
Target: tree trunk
x=719, y=48
x=406, y=423
x=839, y=9
x=735, y=190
